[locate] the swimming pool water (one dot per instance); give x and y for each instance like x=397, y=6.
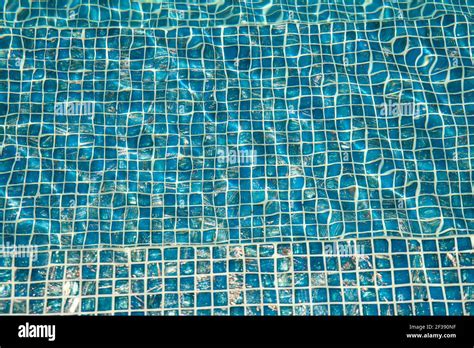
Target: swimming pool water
x=237, y=157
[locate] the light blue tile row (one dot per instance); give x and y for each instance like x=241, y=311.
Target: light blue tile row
x=207, y=13
x=355, y=277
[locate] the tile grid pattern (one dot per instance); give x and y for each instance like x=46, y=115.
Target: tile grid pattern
x=125, y=197
x=160, y=14
x=387, y=277
x=142, y=167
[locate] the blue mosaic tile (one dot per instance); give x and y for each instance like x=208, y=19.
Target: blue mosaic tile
x=271, y=279
x=236, y=158
x=123, y=137
x=172, y=13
